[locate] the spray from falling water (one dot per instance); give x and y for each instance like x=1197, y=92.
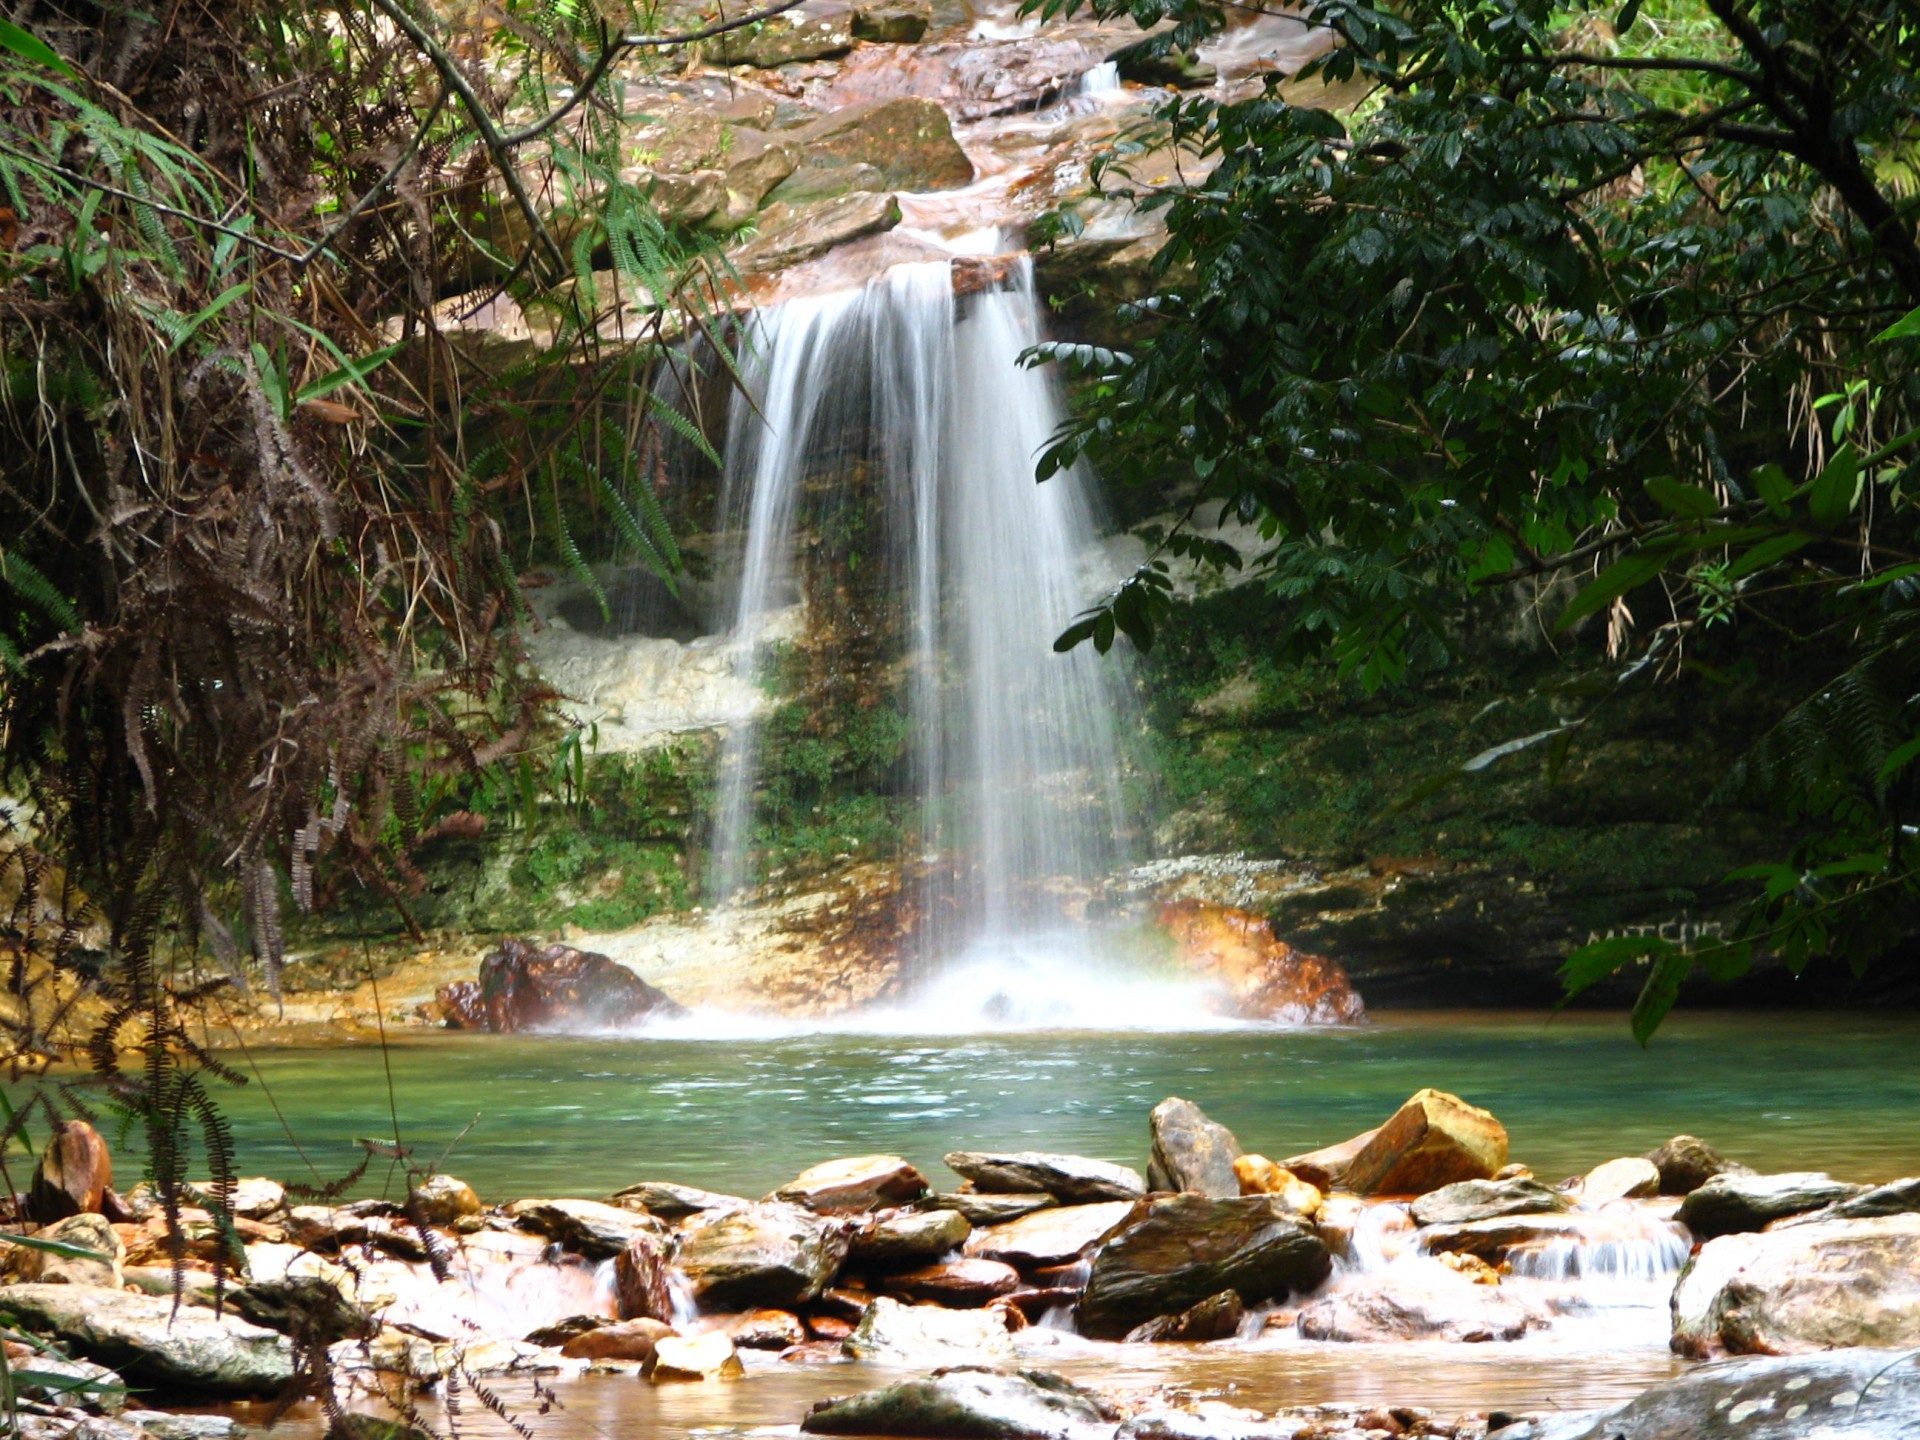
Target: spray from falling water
x=1015, y=764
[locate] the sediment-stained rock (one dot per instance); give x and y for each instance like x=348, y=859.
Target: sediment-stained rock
x=1729, y=1203
x=1171, y=1252
x=975, y=1403
x=1191, y=1152
x=1072, y=1179
x=1434, y=1139
x=761, y=1255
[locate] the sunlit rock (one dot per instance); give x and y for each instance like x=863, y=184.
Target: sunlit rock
x=1174, y=1251
x=1729, y=1203
x=1263, y=977
x=1435, y=1304
x=1629, y=1178
x=789, y=236
x=1074, y=1179
x=765, y=1254
x=981, y=1404
x=1804, y=1288
x=674, y=1202
x=1434, y=1139
x=73, y=1176
x=631, y=1340
x=767, y=1330
x=891, y=22
x=441, y=1200
x=967, y=1282
x=1326, y=1168
x=908, y=139
x=925, y=1336
x=812, y=32
x=1260, y=1176
x=150, y=1340
x=986, y=1209
x=707, y=1356
x=1469, y=1200
x=1190, y=1151
x=91, y=1233
x=851, y=1186
x=1857, y=1394
x=595, y=1230
x=1047, y=1237
x=909, y=1236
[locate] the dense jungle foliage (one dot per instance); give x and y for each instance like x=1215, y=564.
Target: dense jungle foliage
x=1607, y=312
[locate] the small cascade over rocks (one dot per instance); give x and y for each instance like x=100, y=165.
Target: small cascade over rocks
x=880, y=464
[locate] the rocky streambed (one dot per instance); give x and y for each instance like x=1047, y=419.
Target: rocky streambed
x=1419, y=1238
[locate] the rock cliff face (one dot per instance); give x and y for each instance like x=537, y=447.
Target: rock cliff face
x=818, y=149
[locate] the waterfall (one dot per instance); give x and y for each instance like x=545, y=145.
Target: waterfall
x=910, y=401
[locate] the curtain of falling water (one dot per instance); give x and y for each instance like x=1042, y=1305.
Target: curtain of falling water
x=1018, y=743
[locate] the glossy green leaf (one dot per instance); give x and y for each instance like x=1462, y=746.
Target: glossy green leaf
x=1835, y=488
x=29, y=46
x=1689, y=502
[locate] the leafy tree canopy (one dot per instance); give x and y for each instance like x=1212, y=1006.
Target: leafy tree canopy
x=1618, y=303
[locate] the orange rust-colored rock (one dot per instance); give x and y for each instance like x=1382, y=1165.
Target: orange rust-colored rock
x=1264, y=977
x=1434, y=1139
x=73, y=1176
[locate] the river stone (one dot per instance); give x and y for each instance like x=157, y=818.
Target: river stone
x=908, y=1236
x=1191, y=1152
x=707, y=1356
x=593, y=1229
x=632, y=1340
x=1631, y=1177
x=674, y=1202
x=1492, y=1239
x=1845, y=1394
x=1470, y=1200
x=864, y=1182
x=1048, y=1237
x=1174, y=1251
x=755, y=163
x=807, y=183
x=89, y=1232
x=965, y=1402
x=73, y=1176
x=1809, y=1287
x=310, y=1308
x=766, y=1254
x=1730, y=1203
x=767, y=1330
x=683, y=197
x=441, y=1200
x=1438, y=1305
x=987, y=1209
x=956, y=1282
x=1216, y=1318
x=790, y=236
x=559, y=987
x=1260, y=1176
x=909, y=139
x=149, y=1341
x=163, y=1425
x=892, y=22
x=1071, y=1178
x=1896, y=1197
x=1326, y=1168
x=928, y=1336
x=77, y=1383
x=1434, y=1139
x=812, y=32
x=642, y=1285
x=1687, y=1162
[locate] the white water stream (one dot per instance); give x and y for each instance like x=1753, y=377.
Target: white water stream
x=1014, y=757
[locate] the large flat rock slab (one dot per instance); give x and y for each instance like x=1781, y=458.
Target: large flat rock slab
x=150, y=1341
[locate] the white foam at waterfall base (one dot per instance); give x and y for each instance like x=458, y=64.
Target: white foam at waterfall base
x=1035, y=983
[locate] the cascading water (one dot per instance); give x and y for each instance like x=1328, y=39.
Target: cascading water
x=1014, y=750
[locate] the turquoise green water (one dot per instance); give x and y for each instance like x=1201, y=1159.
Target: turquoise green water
x=518, y=1115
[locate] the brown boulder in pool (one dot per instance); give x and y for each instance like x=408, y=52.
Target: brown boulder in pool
x=556, y=988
